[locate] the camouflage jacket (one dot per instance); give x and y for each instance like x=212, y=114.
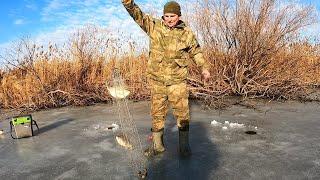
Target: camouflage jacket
x=171, y=49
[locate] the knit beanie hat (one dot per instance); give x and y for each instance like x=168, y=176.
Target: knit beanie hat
x=172, y=7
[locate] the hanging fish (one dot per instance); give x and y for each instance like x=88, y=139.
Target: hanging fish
x=118, y=92
x=123, y=141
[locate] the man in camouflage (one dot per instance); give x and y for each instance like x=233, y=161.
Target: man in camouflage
x=172, y=46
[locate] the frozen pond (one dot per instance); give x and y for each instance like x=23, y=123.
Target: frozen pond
x=74, y=143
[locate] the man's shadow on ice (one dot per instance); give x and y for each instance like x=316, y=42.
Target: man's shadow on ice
x=201, y=165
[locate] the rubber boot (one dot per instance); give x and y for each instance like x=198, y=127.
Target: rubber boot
x=184, y=147
x=157, y=146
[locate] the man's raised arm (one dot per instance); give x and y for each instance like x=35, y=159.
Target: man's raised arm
x=145, y=21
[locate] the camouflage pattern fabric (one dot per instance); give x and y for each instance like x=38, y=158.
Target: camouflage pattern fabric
x=171, y=49
x=161, y=96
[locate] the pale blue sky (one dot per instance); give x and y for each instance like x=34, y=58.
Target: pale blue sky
x=53, y=20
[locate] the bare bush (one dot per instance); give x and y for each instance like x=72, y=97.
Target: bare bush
x=244, y=40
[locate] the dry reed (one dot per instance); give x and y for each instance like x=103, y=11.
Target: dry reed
x=254, y=49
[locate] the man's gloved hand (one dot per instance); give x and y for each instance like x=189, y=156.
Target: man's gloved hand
x=127, y=1
x=205, y=74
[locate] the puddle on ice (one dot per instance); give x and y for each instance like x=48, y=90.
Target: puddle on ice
x=251, y=132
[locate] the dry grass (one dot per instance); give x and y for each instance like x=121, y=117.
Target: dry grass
x=253, y=47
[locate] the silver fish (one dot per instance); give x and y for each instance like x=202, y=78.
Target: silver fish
x=124, y=142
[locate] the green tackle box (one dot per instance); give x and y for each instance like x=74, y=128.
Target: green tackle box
x=22, y=126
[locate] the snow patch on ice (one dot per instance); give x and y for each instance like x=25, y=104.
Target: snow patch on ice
x=115, y=127
x=215, y=123
x=226, y=125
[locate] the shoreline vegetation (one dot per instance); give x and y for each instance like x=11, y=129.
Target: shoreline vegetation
x=255, y=50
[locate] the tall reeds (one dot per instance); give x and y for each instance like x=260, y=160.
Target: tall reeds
x=253, y=46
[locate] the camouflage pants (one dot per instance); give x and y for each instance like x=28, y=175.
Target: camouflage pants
x=162, y=96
